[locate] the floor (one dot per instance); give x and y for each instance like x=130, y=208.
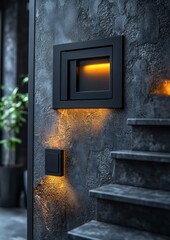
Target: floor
x=13, y=224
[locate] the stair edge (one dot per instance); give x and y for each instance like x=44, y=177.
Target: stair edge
x=148, y=121
x=118, y=228
x=101, y=194
x=141, y=156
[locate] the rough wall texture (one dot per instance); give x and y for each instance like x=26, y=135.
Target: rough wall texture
x=88, y=136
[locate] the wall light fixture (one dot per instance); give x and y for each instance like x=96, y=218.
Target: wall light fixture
x=88, y=74
x=54, y=162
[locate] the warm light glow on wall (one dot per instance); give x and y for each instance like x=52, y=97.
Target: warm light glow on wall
x=54, y=197
x=75, y=124
x=99, y=68
x=162, y=88
x=54, y=186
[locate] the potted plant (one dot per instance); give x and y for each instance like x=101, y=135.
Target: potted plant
x=13, y=112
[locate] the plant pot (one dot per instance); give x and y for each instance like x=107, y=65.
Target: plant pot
x=11, y=184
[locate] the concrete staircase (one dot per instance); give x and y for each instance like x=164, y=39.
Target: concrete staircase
x=137, y=205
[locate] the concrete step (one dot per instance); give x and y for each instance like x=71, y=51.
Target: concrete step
x=140, y=208
x=133, y=195
x=142, y=156
x=151, y=138
x=142, y=169
x=148, y=121
x=150, y=134
x=95, y=230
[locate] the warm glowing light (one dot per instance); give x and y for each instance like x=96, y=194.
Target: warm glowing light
x=73, y=124
x=54, y=197
x=162, y=88
x=94, y=77
x=97, y=68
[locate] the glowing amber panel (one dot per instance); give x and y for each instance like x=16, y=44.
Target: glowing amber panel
x=94, y=77
x=100, y=68
x=162, y=88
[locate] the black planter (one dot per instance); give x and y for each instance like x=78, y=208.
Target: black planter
x=11, y=184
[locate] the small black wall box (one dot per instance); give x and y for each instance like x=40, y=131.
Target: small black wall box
x=54, y=162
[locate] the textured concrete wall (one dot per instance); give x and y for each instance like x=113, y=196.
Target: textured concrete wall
x=88, y=136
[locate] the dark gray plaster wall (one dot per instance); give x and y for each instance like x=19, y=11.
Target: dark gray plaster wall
x=88, y=136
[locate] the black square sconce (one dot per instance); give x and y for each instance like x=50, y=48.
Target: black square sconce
x=88, y=74
x=54, y=162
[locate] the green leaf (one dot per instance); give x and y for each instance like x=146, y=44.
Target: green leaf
x=13, y=112
x=15, y=140
x=15, y=91
x=16, y=129
x=5, y=142
x=18, y=104
x=25, y=80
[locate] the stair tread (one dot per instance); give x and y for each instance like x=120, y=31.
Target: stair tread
x=149, y=121
x=96, y=230
x=141, y=155
x=133, y=195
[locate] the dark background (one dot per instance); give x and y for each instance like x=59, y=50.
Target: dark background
x=14, y=56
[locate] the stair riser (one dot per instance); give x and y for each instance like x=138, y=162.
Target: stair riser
x=72, y=237
x=142, y=174
x=136, y=216
x=151, y=138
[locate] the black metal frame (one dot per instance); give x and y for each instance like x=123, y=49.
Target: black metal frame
x=70, y=56
x=31, y=118
x=65, y=62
